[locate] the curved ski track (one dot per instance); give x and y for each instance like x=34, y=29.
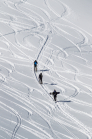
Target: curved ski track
x=30, y=30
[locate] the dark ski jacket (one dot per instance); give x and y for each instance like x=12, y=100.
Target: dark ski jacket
x=54, y=93
x=40, y=75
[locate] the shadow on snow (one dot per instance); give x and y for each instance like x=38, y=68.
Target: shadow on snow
x=50, y=84
x=44, y=70
x=64, y=101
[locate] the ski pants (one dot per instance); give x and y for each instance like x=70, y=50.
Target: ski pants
x=35, y=67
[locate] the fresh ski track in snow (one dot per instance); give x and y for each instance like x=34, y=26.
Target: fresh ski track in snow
x=30, y=30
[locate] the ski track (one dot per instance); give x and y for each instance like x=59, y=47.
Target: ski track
x=27, y=109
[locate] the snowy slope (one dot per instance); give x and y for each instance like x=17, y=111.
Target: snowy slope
x=58, y=33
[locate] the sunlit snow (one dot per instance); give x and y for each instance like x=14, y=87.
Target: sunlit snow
x=58, y=33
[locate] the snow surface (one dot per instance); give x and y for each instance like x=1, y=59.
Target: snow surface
x=58, y=33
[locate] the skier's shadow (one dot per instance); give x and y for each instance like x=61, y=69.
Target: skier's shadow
x=50, y=83
x=44, y=70
x=64, y=101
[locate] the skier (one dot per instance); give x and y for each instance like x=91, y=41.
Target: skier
x=35, y=65
x=40, y=78
x=54, y=93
